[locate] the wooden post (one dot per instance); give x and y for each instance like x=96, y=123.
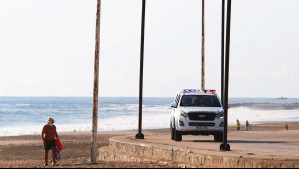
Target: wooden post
x=94, y=148
x=203, y=47
x=287, y=126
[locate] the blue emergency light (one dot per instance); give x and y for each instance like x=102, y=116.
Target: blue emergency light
x=191, y=90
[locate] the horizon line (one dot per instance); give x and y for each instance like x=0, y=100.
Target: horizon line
x=134, y=97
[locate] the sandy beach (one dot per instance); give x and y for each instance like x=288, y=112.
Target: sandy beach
x=27, y=151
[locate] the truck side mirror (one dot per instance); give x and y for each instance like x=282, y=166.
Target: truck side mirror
x=174, y=105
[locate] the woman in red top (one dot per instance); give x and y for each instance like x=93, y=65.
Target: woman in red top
x=49, y=134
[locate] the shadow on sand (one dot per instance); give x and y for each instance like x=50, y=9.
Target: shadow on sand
x=257, y=142
x=240, y=141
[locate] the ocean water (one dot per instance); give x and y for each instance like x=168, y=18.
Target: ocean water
x=27, y=115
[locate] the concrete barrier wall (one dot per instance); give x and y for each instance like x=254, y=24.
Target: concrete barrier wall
x=134, y=151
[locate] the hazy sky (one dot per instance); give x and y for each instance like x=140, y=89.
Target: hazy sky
x=47, y=47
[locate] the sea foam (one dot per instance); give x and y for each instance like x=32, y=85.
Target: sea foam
x=24, y=116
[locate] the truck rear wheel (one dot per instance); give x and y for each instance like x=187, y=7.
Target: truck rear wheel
x=218, y=137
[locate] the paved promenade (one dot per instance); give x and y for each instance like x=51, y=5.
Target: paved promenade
x=250, y=149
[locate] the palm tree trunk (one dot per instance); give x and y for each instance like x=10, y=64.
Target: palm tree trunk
x=94, y=148
x=203, y=47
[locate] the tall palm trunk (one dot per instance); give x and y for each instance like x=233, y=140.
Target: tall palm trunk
x=94, y=148
x=203, y=47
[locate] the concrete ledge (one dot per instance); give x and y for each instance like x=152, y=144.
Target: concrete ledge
x=128, y=149
x=105, y=154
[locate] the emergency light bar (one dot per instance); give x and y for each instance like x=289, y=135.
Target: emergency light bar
x=198, y=91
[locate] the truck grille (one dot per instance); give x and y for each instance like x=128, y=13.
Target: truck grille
x=202, y=116
x=201, y=124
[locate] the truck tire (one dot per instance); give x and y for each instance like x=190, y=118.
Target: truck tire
x=177, y=135
x=218, y=137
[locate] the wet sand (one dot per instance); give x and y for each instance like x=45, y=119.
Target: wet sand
x=27, y=151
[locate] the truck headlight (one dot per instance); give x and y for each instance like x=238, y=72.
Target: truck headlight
x=220, y=114
x=184, y=114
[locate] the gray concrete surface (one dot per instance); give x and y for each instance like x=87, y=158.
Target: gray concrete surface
x=250, y=149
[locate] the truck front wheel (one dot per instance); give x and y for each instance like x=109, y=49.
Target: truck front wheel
x=177, y=135
x=172, y=130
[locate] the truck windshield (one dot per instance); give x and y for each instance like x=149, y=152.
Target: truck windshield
x=200, y=101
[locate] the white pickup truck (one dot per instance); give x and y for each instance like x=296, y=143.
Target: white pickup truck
x=196, y=112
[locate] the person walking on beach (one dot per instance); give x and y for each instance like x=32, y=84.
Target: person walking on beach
x=238, y=125
x=49, y=134
x=248, y=126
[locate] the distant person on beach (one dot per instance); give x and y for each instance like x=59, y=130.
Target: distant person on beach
x=238, y=125
x=49, y=134
x=248, y=126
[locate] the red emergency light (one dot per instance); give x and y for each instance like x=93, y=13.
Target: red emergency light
x=210, y=91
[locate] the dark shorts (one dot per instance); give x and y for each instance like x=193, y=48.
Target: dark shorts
x=49, y=144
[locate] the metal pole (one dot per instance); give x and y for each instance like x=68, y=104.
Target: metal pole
x=94, y=143
x=139, y=134
x=225, y=146
x=203, y=47
x=222, y=51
